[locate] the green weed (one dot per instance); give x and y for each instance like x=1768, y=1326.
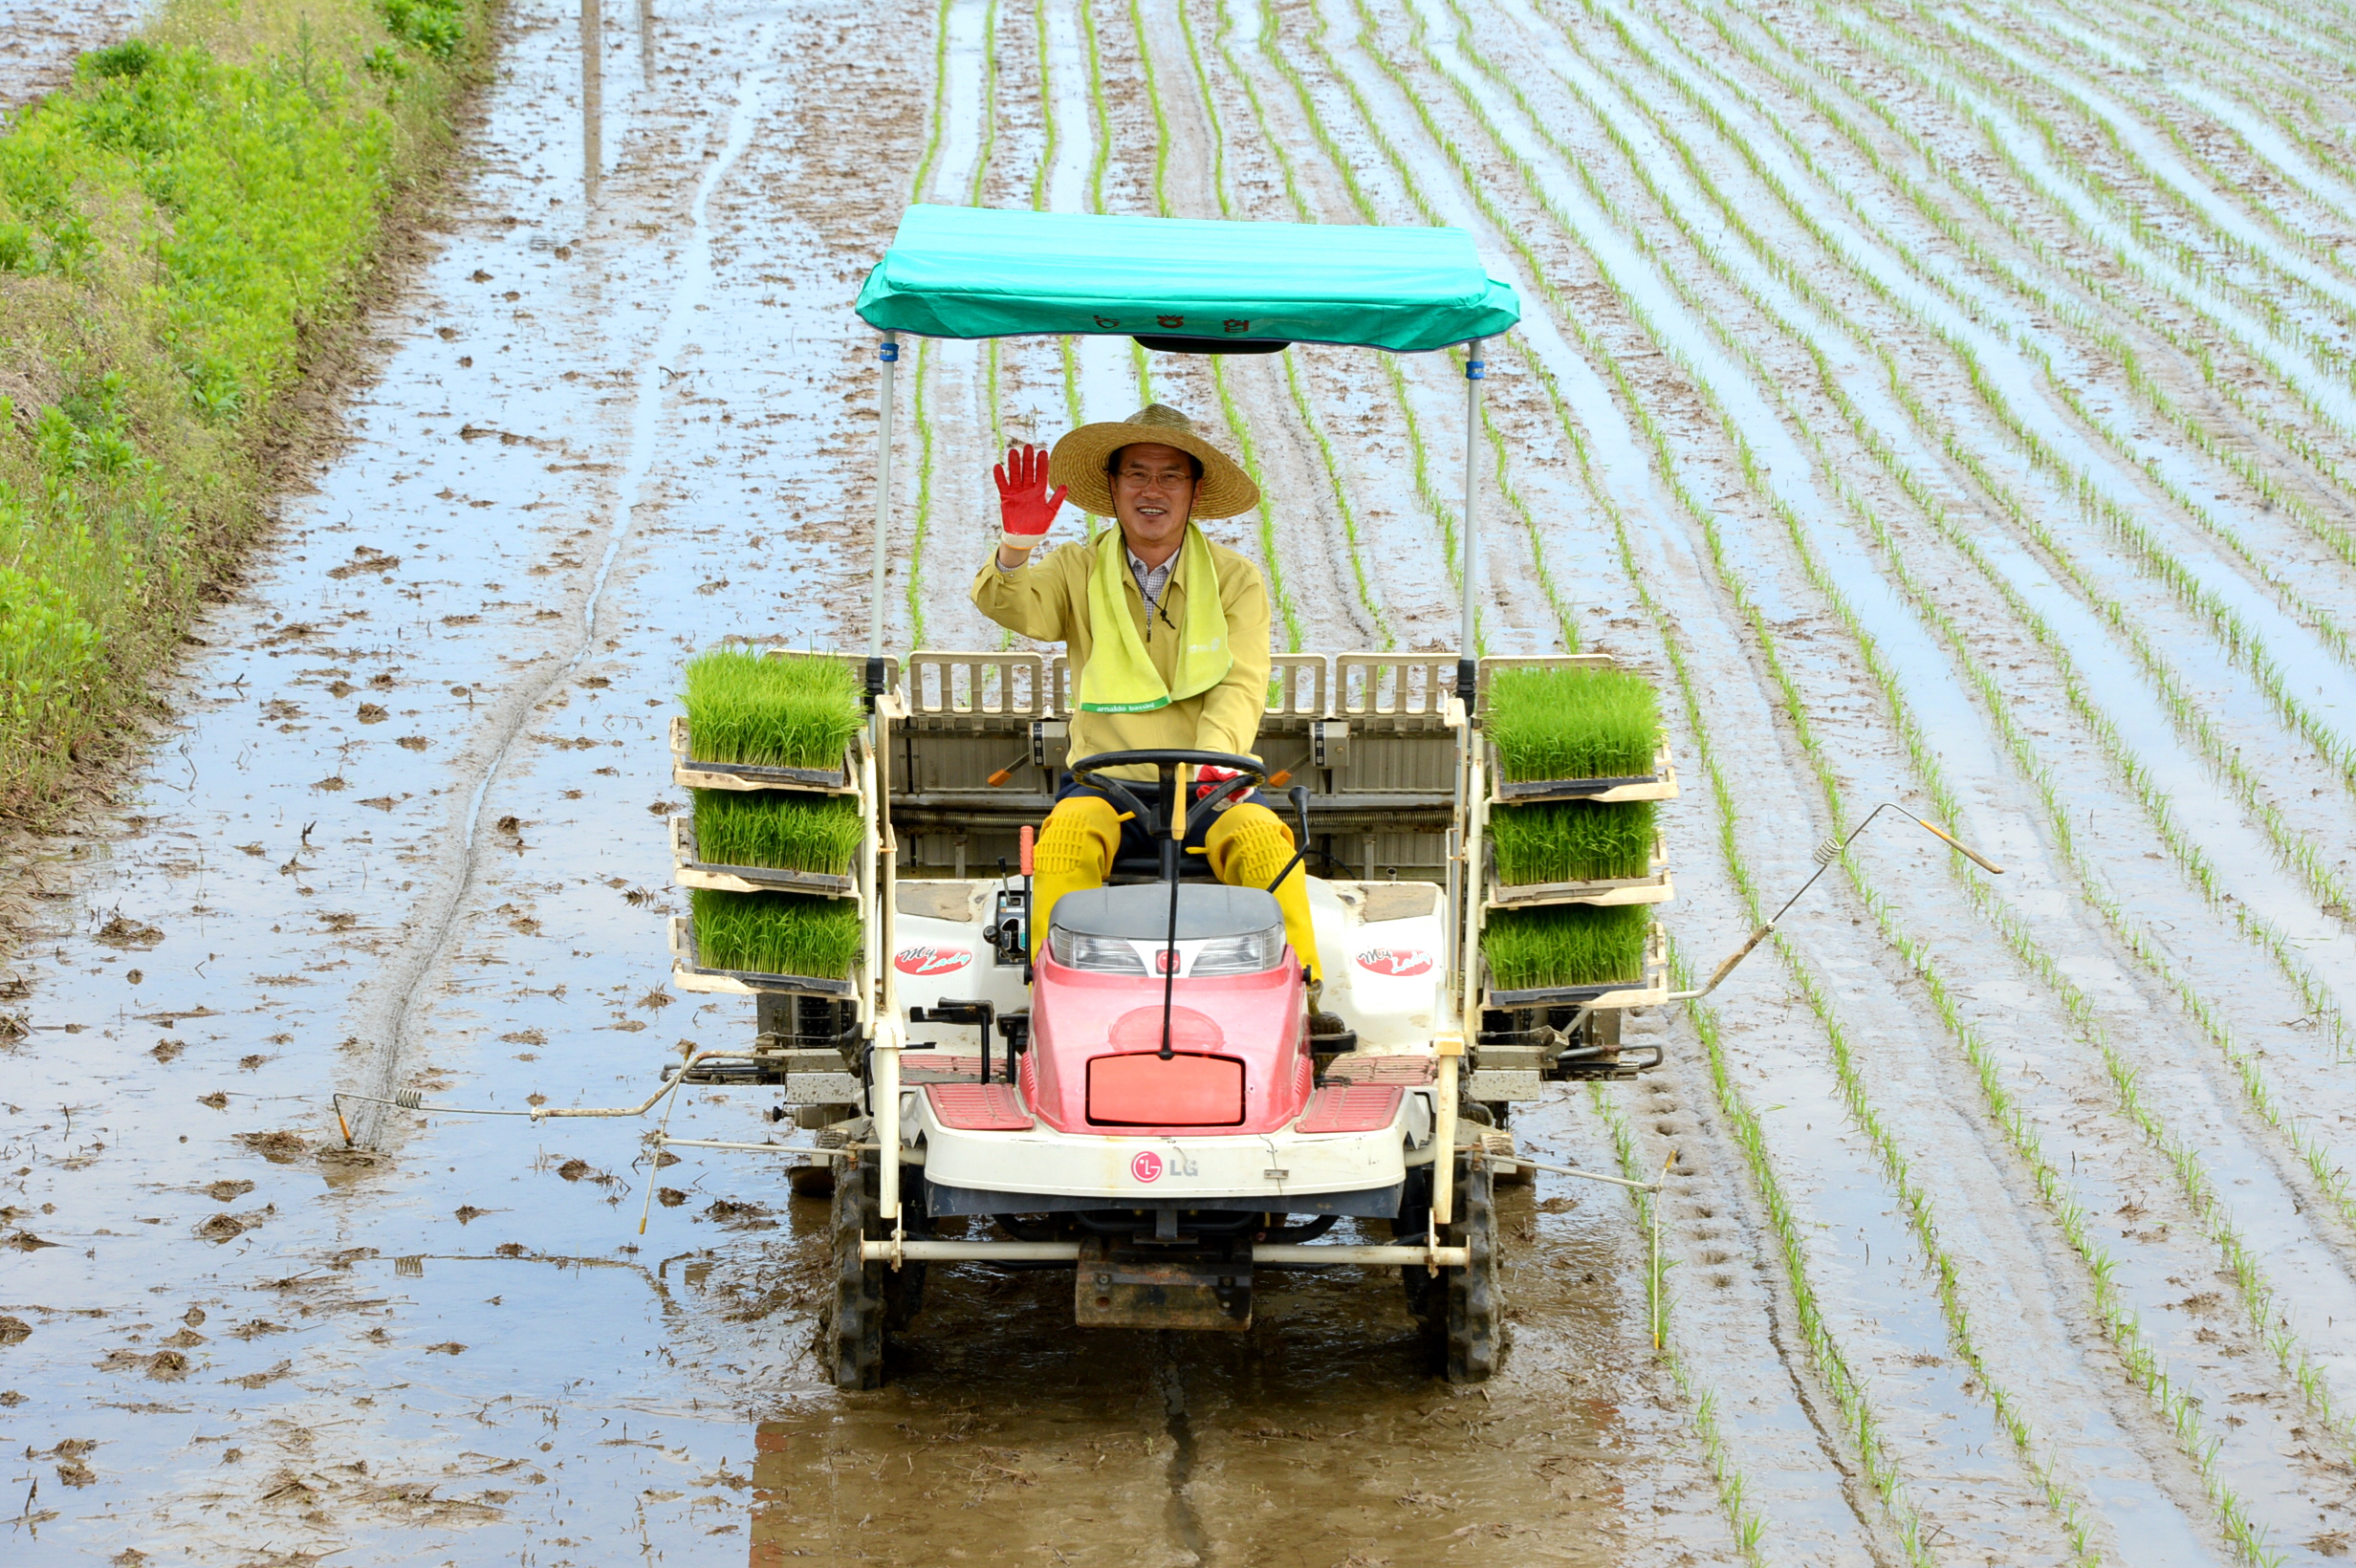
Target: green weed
x=176, y=225
x=1573, y=840
x=776, y=933
x=1573, y=723
x=797, y=712
x=1572, y=945
x=776, y=831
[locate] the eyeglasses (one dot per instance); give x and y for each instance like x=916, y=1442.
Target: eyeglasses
x=1153, y=476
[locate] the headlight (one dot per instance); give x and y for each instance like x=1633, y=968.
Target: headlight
x=1239, y=954
x=1106, y=954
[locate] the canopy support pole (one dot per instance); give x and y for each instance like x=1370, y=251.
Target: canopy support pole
x=1468, y=653
x=889, y=354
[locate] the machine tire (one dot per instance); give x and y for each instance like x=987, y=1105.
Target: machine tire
x=1462, y=1310
x=854, y=1334
x=1474, y=1322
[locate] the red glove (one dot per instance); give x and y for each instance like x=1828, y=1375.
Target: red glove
x=1025, y=507
x=1209, y=778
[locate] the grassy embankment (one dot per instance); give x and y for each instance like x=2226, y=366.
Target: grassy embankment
x=184, y=229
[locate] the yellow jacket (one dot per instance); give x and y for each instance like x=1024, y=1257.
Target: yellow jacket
x=1048, y=599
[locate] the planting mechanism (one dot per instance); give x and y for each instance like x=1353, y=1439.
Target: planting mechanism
x=1143, y=1108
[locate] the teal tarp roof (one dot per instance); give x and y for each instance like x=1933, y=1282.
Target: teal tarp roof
x=970, y=272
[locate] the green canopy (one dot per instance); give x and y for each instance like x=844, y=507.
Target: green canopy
x=970, y=271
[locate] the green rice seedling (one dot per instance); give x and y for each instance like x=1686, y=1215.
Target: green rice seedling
x=1573, y=945
x=781, y=832
x=776, y=933
x=1573, y=840
x=1574, y=723
x=793, y=713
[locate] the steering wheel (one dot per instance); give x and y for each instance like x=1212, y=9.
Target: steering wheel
x=1165, y=763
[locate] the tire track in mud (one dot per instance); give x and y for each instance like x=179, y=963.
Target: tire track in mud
x=391, y=1003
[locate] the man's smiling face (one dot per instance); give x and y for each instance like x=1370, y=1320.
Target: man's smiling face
x=1153, y=495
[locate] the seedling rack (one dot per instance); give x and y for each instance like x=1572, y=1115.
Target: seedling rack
x=1605, y=891
x=692, y=773
x=1652, y=992
x=688, y=972
x=1660, y=784
x=689, y=870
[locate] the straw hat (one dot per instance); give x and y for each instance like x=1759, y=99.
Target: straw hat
x=1078, y=463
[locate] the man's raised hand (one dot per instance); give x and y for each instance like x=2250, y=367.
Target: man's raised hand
x=1025, y=507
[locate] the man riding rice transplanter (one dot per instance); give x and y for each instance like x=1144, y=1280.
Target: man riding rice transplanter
x=1167, y=637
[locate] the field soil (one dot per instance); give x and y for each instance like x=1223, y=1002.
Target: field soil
x=40, y=38
x=1948, y=409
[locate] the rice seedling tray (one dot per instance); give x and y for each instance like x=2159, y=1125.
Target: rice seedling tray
x=689, y=870
x=692, y=773
x=1660, y=784
x=1652, y=992
x=689, y=973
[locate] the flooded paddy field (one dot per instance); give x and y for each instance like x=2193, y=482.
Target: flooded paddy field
x=1948, y=406
x=40, y=38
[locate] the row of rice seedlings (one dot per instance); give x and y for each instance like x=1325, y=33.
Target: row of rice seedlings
x=2240, y=643
x=776, y=933
x=2119, y=1325
x=2119, y=521
x=922, y=525
x=1749, y=1525
x=1573, y=840
x=1419, y=452
x=2228, y=64
x=2062, y=1498
x=1419, y=455
x=796, y=712
x=2194, y=344
x=1858, y=1419
x=2151, y=115
x=2258, y=1295
x=1567, y=945
x=2234, y=772
x=2165, y=193
x=1247, y=452
x=1377, y=615
x=780, y=832
x=2296, y=851
x=1575, y=723
x=2183, y=295
x=2295, y=444
x=2180, y=251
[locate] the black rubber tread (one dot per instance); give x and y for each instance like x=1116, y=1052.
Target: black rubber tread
x=1474, y=1326
x=854, y=1338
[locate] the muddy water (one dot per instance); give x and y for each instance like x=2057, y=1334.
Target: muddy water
x=409, y=831
x=1314, y=1438
x=40, y=40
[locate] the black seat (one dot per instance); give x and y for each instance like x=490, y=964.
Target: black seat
x=1148, y=868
